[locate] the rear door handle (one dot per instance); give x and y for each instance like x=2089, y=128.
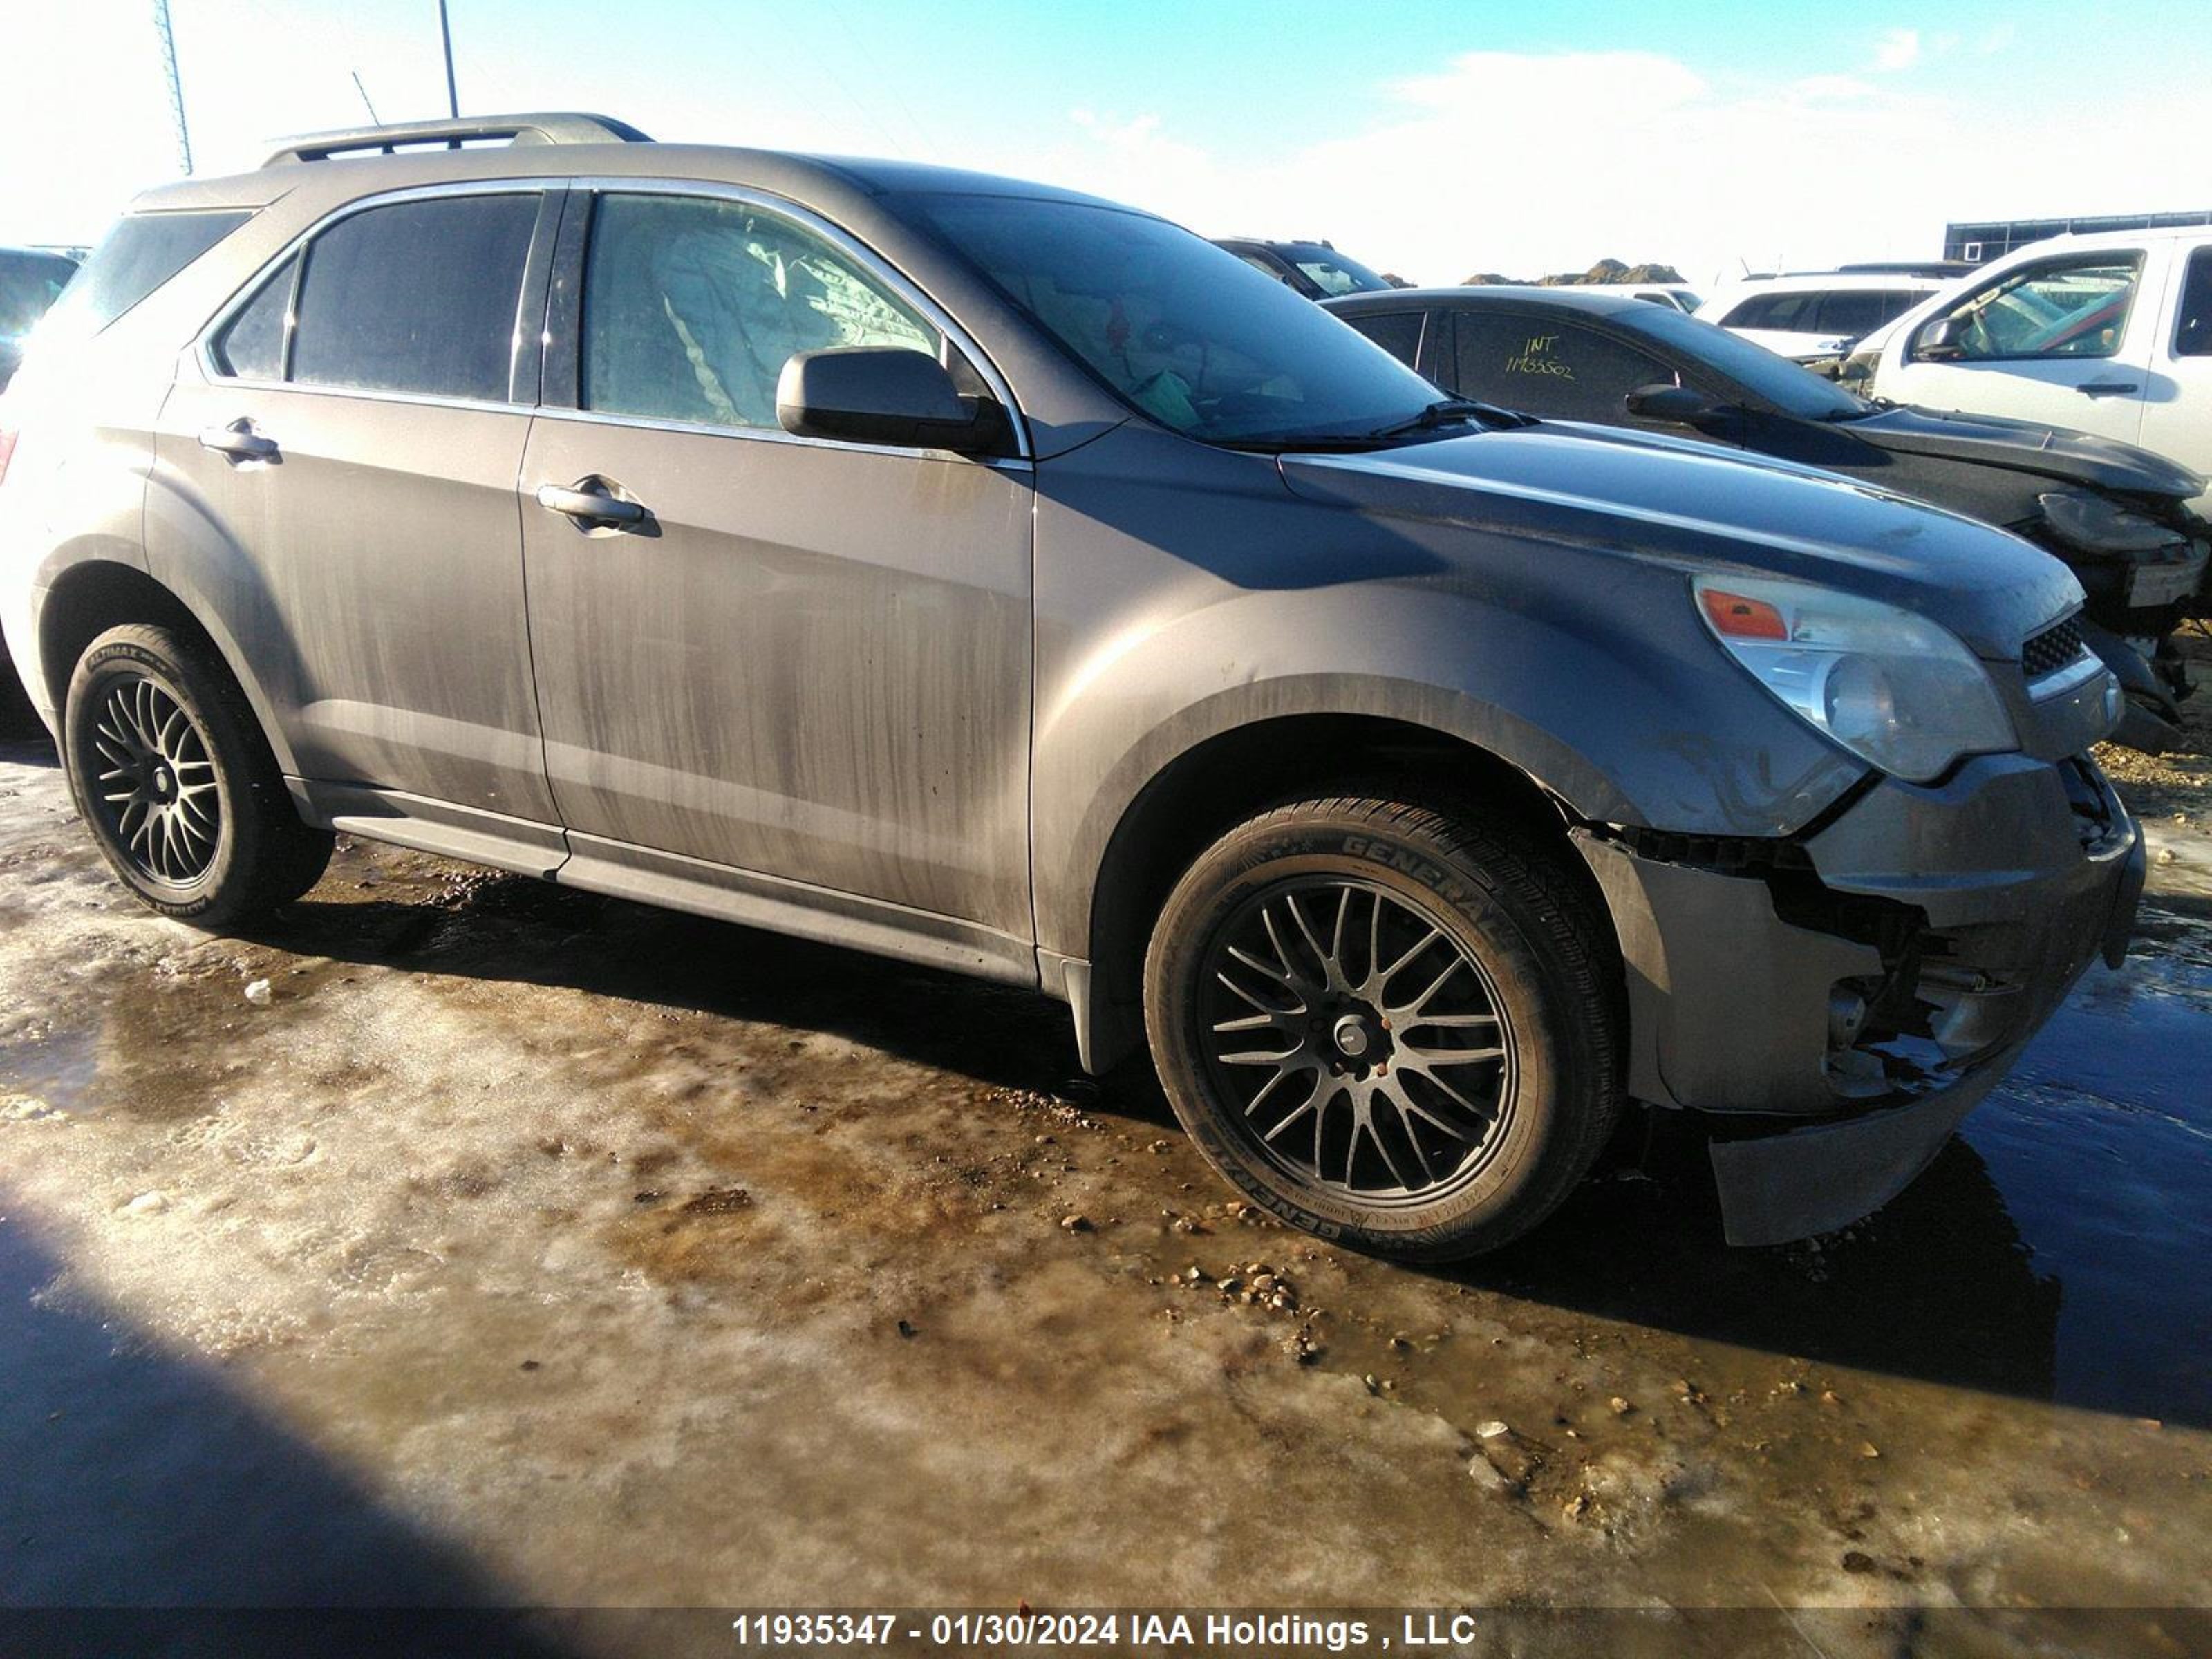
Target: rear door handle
x=239, y=441
x=589, y=502
x=2107, y=389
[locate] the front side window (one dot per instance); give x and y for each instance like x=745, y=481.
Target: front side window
x=2192, y=334
x=1550, y=368
x=1858, y=312
x=2072, y=307
x=416, y=297
x=1175, y=326
x=692, y=307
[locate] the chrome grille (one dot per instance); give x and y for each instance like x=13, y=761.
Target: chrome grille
x=2052, y=650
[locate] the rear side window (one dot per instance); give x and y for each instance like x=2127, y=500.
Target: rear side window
x=1784, y=312
x=416, y=297
x=251, y=345
x=143, y=251
x=1548, y=367
x=2193, y=335
x=29, y=285
x=1398, y=332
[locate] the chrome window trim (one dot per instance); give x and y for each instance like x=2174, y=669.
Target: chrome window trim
x=863, y=256
x=773, y=434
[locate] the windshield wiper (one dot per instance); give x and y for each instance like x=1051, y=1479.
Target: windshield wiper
x=1445, y=411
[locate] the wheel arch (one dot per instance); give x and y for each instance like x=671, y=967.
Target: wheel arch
x=86, y=599
x=1211, y=785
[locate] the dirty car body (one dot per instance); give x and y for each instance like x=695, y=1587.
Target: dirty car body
x=972, y=662
x=2120, y=516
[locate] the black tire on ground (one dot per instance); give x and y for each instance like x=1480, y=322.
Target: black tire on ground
x=169, y=769
x=1315, y=946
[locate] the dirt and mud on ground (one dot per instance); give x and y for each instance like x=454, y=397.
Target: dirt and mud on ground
x=461, y=1238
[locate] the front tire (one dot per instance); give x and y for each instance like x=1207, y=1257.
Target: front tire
x=169, y=769
x=1388, y=1026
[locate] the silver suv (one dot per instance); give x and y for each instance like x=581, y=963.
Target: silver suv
x=997, y=578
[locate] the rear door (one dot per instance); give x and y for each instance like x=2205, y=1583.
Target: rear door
x=809, y=660
x=2066, y=340
x=343, y=452
x=2177, y=417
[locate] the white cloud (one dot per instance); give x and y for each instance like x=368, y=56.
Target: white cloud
x=1898, y=49
x=1526, y=163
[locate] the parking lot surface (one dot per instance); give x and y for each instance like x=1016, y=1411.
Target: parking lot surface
x=460, y=1238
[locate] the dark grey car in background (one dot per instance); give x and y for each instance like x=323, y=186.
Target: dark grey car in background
x=996, y=578
x=2117, y=514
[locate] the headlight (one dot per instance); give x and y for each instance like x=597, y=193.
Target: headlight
x=2096, y=524
x=1893, y=688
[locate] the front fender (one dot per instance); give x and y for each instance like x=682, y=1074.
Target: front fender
x=1182, y=593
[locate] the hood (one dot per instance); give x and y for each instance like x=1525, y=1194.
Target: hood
x=2053, y=452
x=1699, y=508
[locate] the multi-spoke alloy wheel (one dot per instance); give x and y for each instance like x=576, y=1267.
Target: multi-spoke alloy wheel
x=155, y=784
x=1390, y=1026
x=1364, y=1044
x=169, y=768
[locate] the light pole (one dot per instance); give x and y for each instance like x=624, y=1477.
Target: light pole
x=445, y=34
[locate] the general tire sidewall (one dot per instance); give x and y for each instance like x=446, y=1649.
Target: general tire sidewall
x=218, y=887
x=1538, y=1000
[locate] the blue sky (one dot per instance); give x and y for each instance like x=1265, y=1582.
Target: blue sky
x=1431, y=137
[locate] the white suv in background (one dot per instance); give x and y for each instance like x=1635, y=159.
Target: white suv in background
x=1815, y=315
x=2110, y=334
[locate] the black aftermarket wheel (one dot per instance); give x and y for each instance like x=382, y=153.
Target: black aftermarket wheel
x=1386, y=1025
x=174, y=778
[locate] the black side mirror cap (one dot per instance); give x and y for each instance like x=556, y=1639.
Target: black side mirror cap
x=1666, y=402
x=886, y=395
x=1942, y=341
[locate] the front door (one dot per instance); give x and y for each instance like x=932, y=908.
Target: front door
x=806, y=659
x=2065, y=341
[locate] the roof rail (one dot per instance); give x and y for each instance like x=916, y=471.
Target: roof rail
x=560, y=128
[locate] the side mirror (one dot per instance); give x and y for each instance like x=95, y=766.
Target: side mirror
x=1942, y=341
x=1680, y=404
x=882, y=395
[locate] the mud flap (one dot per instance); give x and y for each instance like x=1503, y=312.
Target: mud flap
x=1779, y=1187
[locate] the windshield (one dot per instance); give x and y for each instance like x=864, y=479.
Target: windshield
x=1766, y=374
x=1182, y=330
x=1331, y=271
x=29, y=282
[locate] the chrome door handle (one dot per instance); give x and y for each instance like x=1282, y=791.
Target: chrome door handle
x=589, y=503
x=239, y=441
x=2108, y=389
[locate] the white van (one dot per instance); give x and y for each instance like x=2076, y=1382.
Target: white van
x=2109, y=334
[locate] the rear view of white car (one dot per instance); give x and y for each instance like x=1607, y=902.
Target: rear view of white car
x=2110, y=334
x=1817, y=315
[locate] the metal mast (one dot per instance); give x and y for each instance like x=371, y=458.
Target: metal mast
x=445, y=35
x=176, y=86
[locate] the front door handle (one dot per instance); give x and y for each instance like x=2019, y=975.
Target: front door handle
x=589, y=502
x=2108, y=389
x=239, y=442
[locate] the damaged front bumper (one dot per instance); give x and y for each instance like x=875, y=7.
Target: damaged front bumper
x=1836, y=1003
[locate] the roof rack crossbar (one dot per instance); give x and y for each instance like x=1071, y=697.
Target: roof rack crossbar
x=561, y=128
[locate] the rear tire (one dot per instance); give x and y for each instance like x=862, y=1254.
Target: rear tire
x=169, y=769
x=1388, y=1026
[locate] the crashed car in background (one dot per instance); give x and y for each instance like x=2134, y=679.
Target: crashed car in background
x=1314, y=269
x=2120, y=516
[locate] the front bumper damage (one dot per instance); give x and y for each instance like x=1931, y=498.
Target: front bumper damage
x=1834, y=1004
